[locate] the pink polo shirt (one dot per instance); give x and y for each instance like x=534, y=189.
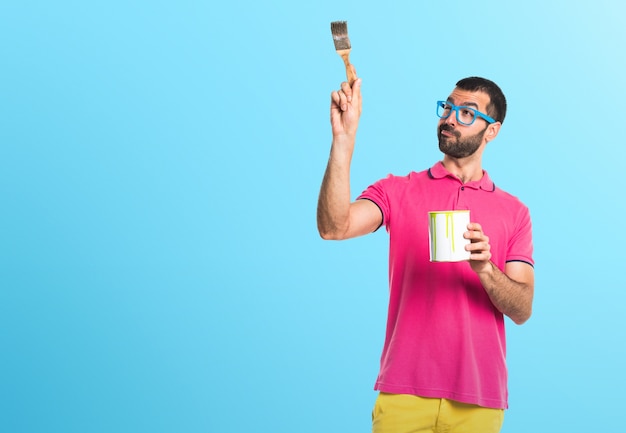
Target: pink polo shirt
x=444, y=338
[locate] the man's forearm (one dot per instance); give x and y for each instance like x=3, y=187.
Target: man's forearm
x=333, y=207
x=510, y=297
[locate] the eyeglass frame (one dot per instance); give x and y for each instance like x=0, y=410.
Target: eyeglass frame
x=456, y=108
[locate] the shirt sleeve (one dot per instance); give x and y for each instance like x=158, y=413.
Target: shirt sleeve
x=378, y=194
x=521, y=244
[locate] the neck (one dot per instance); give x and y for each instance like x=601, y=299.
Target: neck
x=466, y=169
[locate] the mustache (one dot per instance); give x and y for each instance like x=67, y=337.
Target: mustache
x=449, y=128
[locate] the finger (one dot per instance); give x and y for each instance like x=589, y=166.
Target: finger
x=471, y=234
x=334, y=97
x=478, y=247
x=482, y=256
x=476, y=238
x=474, y=226
x=343, y=100
x=347, y=90
x=356, y=90
x=338, y=98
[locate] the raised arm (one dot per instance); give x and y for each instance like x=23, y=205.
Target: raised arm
x=337, y=217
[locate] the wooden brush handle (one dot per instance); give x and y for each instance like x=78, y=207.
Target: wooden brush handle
x=350, y=72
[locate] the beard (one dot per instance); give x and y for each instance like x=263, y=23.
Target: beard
x=457, y=147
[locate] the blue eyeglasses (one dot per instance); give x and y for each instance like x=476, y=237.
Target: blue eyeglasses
x=465, y=115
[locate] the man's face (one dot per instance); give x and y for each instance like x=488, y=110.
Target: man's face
x=455, y=139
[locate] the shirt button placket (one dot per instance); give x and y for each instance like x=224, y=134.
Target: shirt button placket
x=461, y=202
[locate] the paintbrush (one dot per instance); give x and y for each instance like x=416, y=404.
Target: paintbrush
x=339, y=29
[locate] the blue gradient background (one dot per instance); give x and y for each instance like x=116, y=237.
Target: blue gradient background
x=160, y=268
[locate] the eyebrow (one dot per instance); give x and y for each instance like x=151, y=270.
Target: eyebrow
x=465, y=104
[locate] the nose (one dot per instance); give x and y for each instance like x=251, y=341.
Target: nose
x=451, y=119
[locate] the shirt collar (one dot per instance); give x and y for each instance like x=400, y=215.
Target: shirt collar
x=438, y=171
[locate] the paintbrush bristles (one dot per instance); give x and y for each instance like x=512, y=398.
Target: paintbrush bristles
x=339, y=30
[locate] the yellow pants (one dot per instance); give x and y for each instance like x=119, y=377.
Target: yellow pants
x=401, y=413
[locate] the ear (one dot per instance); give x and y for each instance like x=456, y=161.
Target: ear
x=492, y=131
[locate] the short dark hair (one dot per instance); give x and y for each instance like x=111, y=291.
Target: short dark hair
x=497, y=101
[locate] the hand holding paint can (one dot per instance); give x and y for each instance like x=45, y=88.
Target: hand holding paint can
x=445, y=235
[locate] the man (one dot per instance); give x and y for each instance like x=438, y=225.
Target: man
x=443, y=362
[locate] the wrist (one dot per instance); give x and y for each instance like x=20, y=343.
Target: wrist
x=344, y=138
x=343, y=145
x=486, y=271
